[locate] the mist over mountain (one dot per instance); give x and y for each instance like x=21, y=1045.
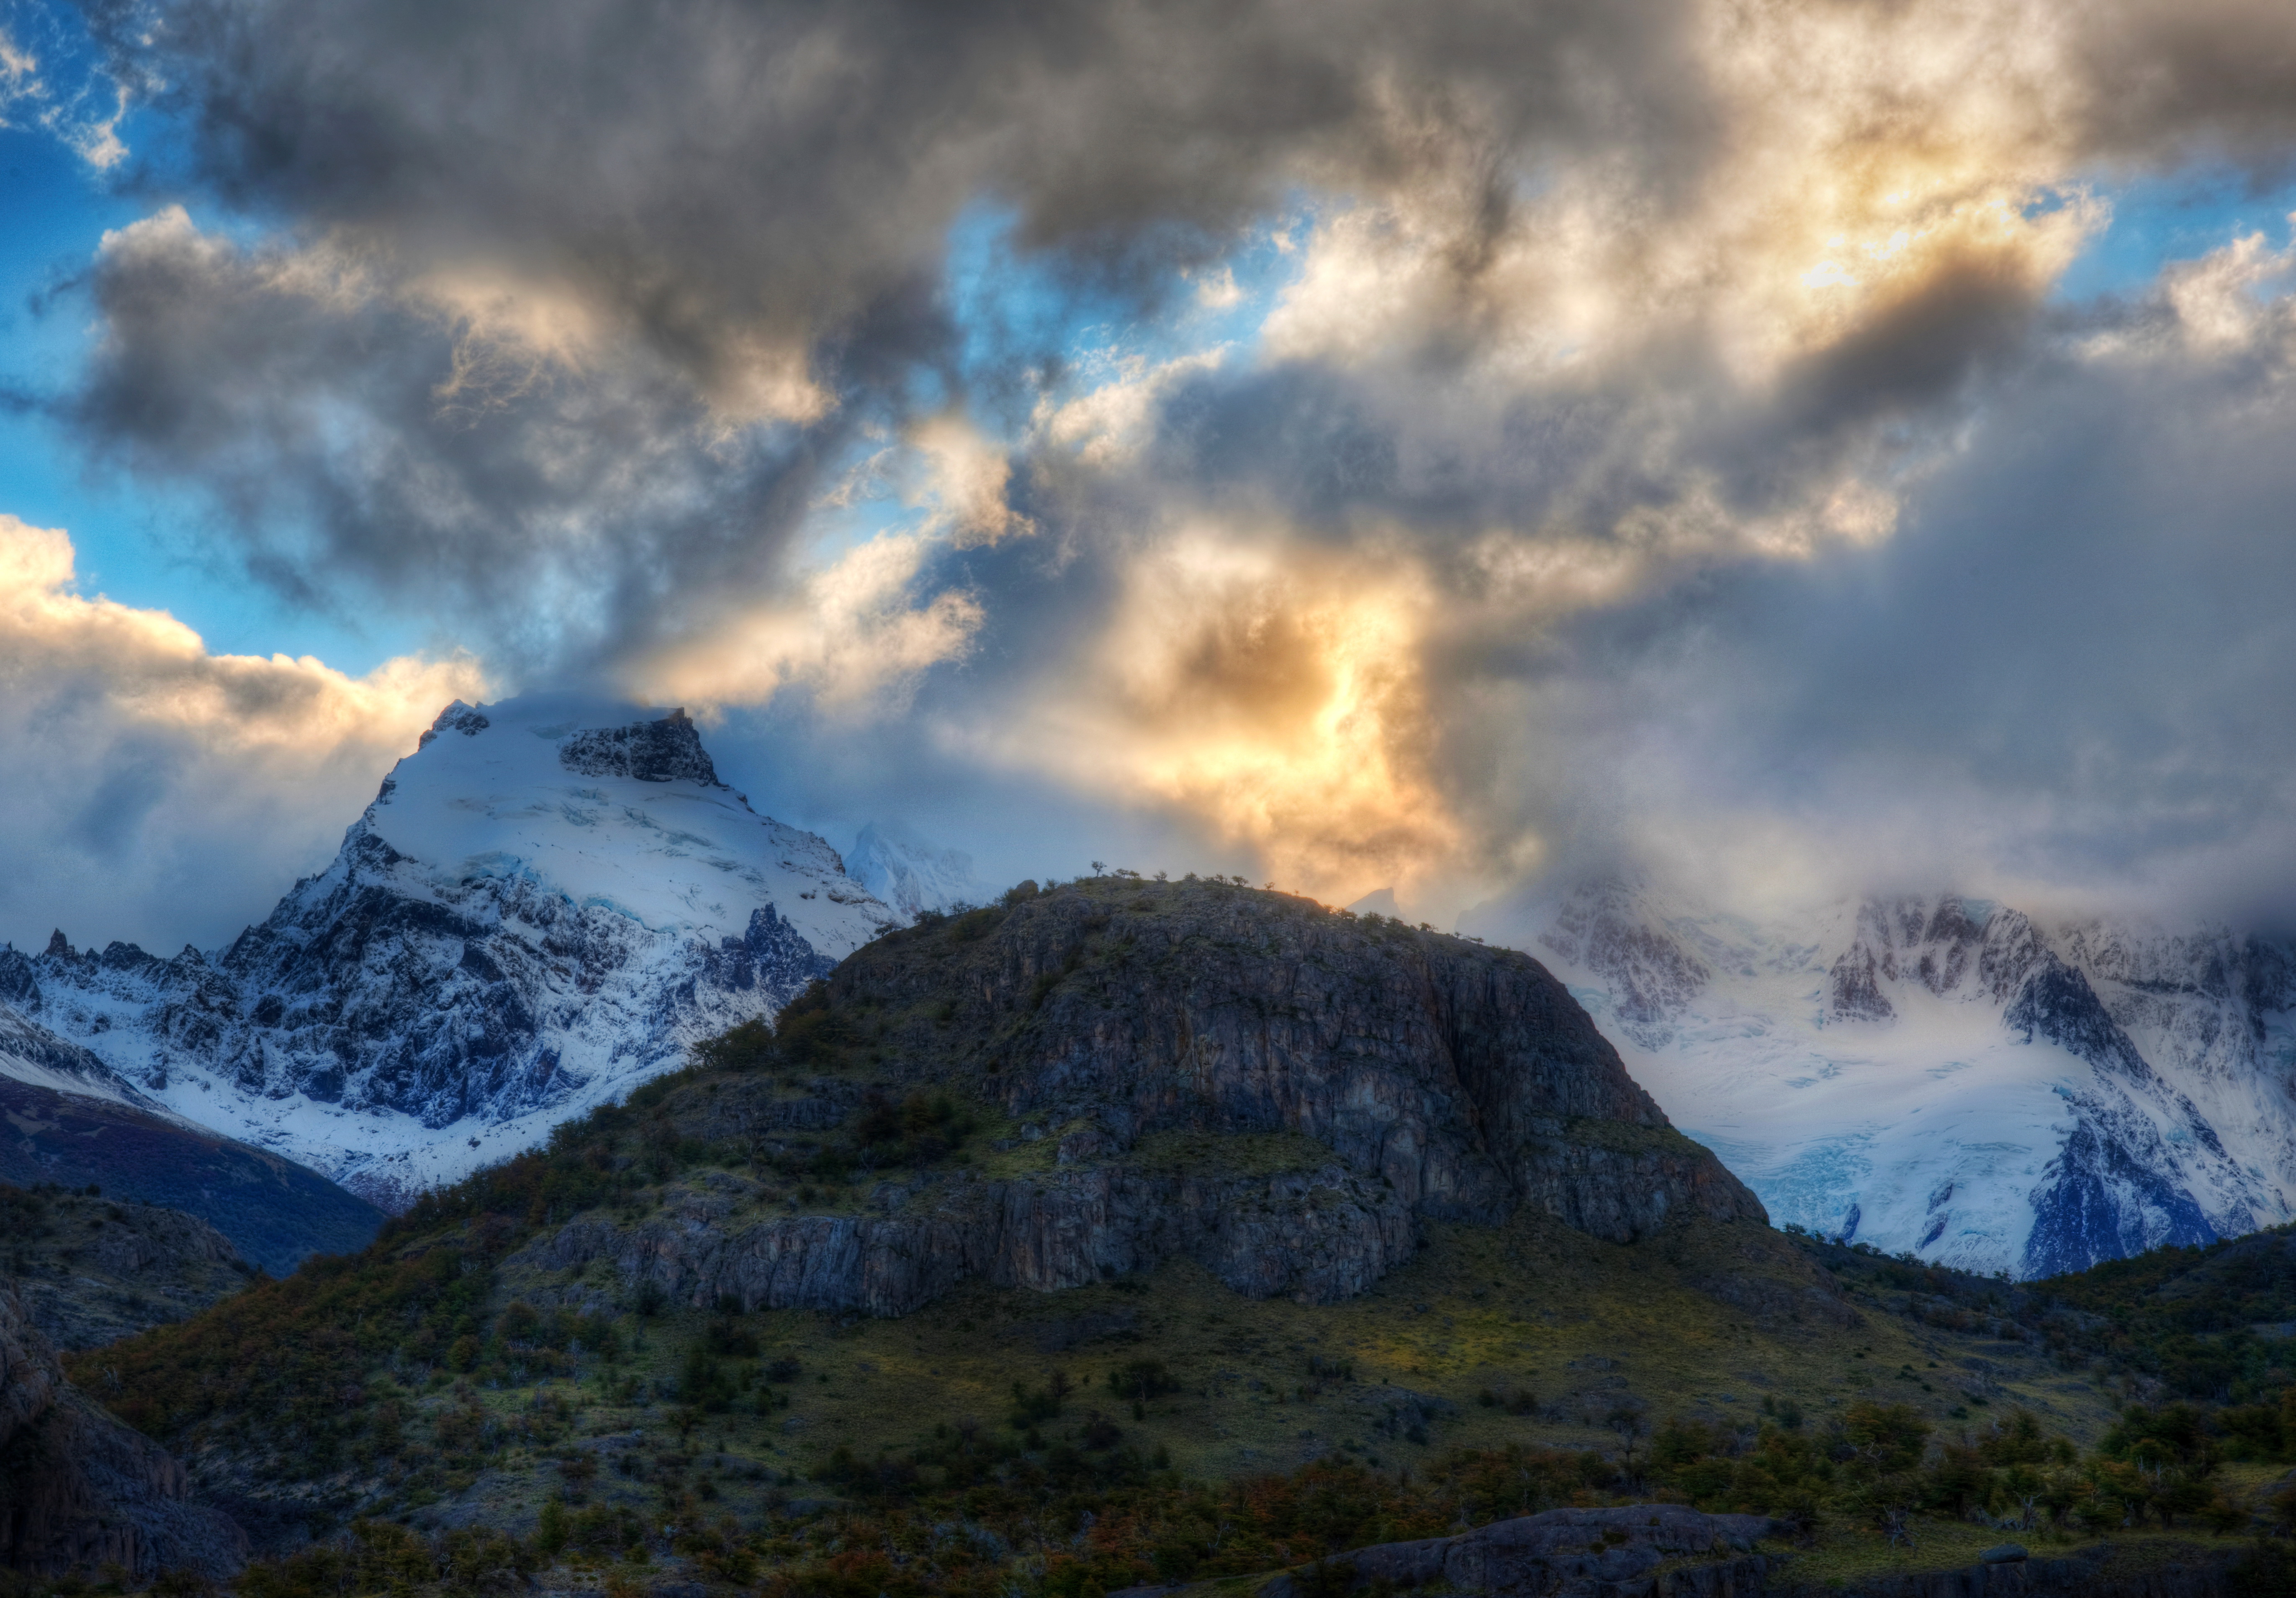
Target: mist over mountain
x=908, y=873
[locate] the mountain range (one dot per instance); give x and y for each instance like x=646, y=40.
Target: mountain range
x=551, y=900
x=1951, y=1076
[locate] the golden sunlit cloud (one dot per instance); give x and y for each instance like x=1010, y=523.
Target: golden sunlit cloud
x=1862, y=154
x=146, y=667
x=966, y=477
x=1277, y=692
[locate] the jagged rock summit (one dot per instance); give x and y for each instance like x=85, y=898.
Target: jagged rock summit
x=1951, y=1076
x=544, y=903
x=1283, y=1094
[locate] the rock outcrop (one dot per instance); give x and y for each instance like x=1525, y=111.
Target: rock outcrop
x=1315, y=1237
x=1466, y=1078
x=1662, y=1549
x=90, y=1270
x=78, y=1490
x=1196, y=1070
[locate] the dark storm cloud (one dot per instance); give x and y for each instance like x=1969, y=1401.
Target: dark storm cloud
x=701, y=191
x=2071, y=668
x=559, y=314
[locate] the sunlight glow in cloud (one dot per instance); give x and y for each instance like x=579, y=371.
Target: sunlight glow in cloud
x=1276, y=693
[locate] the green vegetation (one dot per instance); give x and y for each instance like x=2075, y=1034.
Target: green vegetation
x=2210, y=1325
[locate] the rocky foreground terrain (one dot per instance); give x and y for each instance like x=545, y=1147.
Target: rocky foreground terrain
x=90, y=1270
x=83, y=1491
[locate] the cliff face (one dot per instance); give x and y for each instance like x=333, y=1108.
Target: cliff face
x=1317, y=1235
x=1466, y=1078
x=1276, y=1092
x=77, y=1490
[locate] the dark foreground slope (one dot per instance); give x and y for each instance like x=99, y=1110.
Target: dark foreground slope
x=91, y=1270
x=1126, y=1234
x=78, y=1490
x=276, y=1212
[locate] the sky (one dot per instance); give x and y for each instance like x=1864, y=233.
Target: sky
x=1790, y=446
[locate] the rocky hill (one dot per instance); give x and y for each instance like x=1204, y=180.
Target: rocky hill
x=1192, y=1068
x=81, y=1489
x=90, y=1270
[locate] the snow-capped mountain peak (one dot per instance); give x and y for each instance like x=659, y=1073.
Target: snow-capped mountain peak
x=544, y=903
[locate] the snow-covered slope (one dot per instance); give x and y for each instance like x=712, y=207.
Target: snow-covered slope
x=910, y=874
x=546, y=903
x=31, y=1054
x=1943, y=1075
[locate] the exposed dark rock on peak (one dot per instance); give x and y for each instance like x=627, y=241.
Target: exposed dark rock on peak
x=1950, y=946
x=1857, y=995
x=2057, y=1003
x=457, y=718
x=1652, y=976
x=653, y=751
x=19, y=984
x=59, y=946
x=83, y=1490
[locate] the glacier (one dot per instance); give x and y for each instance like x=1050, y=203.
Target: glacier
x=1945, y=1076
x=547, y=903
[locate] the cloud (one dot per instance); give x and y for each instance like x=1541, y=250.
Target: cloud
x=1274, y=690
x=159, y=793
x=853, y=632
x=1600, y=331
x=45, y=85
x=2064, y=676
